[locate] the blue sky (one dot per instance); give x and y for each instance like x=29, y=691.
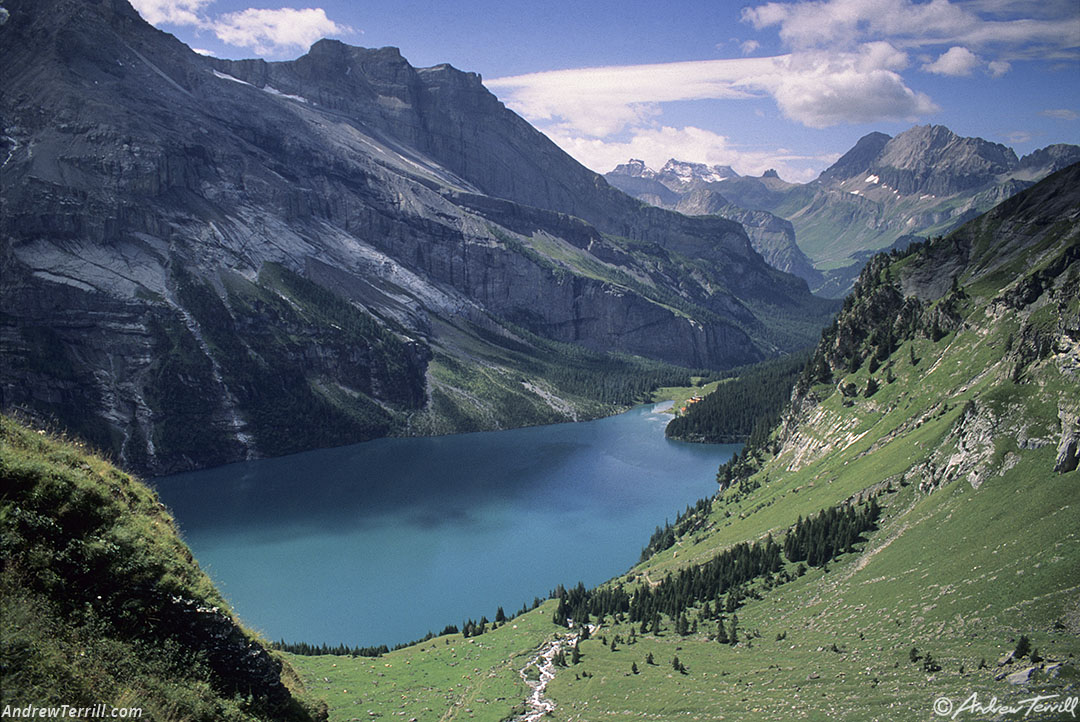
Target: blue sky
x=754, y=85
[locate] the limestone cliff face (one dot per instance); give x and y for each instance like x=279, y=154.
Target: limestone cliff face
x=206, y=260
x=927, y=159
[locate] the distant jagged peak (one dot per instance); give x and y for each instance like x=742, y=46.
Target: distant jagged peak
x=928, y=160
x=688, y=172
x=858, y=160
x=1052, y=158
x=932, y=144
x=634, y=168
x=676, y=172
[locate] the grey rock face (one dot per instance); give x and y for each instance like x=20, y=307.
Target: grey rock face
x=856, y=161
x=932, y=159
x=207, y=260
x=1052, y=158
x=1068, y=450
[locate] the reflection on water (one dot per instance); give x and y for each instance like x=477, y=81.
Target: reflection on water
x=383, y=541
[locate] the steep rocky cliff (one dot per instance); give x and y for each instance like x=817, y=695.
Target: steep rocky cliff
x=207, y=260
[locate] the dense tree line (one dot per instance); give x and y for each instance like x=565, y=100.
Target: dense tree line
x=829, y=533
x=707, y=582
x=719, y=586
x=341, y=650
x=578, y=605
x=748, y=405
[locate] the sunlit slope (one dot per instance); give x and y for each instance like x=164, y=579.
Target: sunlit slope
x=953, y=405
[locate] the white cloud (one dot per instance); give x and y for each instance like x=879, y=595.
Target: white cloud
x=822, y=91
x=602, y=101
x=749, y=46
x=1060, y=113
x=171, y=12
x=273, y=31
x=999, y=30
x=955, y=61
x=266, y=32
x=816, y=89
x=203, y=51
x=981, y=23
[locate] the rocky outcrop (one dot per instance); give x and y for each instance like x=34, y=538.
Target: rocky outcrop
x=1068, y=450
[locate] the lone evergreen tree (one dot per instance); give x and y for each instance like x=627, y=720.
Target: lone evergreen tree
x=1023, y=647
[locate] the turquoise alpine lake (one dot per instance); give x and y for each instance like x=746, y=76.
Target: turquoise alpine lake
x=382, y=542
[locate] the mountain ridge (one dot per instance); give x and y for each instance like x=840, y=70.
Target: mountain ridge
x=883, y=192
x=167, y=211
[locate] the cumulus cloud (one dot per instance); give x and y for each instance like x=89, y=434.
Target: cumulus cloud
x=830, y=91
x=955, y=61
x=997, y=68
x=264, y=31
x=749, y=46
x=171, y=12
x=271, y=31
x=815, y=89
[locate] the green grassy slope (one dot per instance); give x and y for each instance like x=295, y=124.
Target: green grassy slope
x=978, y=543
x=102, y=603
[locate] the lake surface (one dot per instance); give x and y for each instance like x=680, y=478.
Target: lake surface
x=381, y=542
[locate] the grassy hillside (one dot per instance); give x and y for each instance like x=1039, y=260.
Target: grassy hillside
x=952, y=404
x=102, y=603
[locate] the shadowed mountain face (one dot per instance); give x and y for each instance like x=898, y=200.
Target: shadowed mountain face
x=207, y=260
